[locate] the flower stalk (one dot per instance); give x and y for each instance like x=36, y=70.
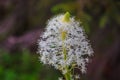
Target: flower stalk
x=66, y=18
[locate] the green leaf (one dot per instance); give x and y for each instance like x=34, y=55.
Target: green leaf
x=10, y=75
x=86, y=20
x=64, y=7
x=103, y=21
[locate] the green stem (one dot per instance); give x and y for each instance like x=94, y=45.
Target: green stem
x=68, y=73
x=67, y=76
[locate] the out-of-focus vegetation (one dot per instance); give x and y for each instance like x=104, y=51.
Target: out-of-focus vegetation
x=92, y=13
x=24, y=66
x=23, y=21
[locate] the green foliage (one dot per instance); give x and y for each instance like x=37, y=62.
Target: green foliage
x=103, y=21
x=93, y=14
x=24, y=66
x=64, y=7
x=86, y=22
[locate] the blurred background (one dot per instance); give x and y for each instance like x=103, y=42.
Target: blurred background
x=23, y=21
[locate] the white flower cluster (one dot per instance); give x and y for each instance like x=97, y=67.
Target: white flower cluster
x=71, y=36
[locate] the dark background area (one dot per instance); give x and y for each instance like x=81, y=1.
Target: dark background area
x=23, y=21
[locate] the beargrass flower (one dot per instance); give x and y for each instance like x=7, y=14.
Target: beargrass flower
x=64, y=46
